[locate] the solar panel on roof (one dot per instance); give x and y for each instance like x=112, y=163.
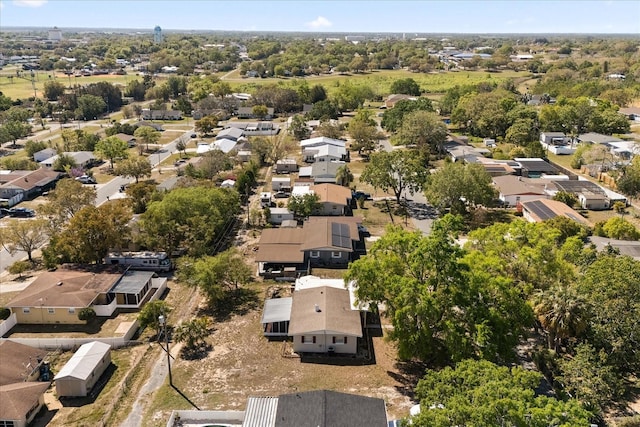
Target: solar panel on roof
x=340, y=236
x=541, y=210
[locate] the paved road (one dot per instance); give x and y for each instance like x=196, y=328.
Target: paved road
x=421, y=212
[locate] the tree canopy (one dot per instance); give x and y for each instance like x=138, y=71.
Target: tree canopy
x=398, y=171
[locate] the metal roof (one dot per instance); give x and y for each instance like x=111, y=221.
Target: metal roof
x=133, y=282
x=84, y=361
x=260, y=412
x=277, y=310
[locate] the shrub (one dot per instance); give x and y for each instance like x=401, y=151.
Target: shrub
x=87, y=314
x=19, y=267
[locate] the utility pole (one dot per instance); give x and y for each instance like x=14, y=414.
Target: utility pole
x=163, y=322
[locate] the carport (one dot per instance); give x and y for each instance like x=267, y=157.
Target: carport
x=276, y=316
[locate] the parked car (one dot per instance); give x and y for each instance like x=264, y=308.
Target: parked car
x=361, y=195
x=193, y=135
x=281, y=195
x=21, y=213
x=85, y=179
x=4, y=212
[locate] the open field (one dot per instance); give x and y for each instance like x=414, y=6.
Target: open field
x=21, y=87
x=380, y=80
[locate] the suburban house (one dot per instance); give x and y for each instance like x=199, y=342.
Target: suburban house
x=516, y=189
x=392, y=99
x=497, y=167
x=322, y=321
x=148, y=114
x=335, y=199
x=286, y=166
x=631, y=113
x=544, y=209
x=21, y=402
x=321, y=140
x=247, y=113
x=618, y=147
x=44, y=154
x=626, y=247
x=59, y=296
x=557, y=143
x=129, y=139
x=231, y=133
x=534, y=167
x=81, y=373
x=255, y=128
x=82, y=159
x=319, y=408
x=278, y=215
x=590, y=195
x=280, y=184
x=326, y=153
x=322, y=241
x=21, y=395
x=321, y=172
x=16, y=186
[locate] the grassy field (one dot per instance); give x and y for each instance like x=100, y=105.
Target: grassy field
x=20, y=88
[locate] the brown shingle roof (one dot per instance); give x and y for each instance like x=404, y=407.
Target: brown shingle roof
x=67, y=288
x=17, y=399
x=334, y=316
x=321, y=234
x=280, y=245
x=17, y=361
x=510, y=185
x=332, y=193
x=30, y=179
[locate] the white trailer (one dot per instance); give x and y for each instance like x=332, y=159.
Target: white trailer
x=151, y=261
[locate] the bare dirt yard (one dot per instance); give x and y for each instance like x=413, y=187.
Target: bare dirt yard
x=243, y=363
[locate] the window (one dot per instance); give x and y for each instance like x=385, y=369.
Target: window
x=336, y=254
x=72, y=310
x=314, y=254
x=51, y=310
x=26, y=310
x=308, y=339
x=339, y=340
x=5, y=423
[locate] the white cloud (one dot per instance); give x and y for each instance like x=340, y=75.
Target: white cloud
x=1, y=5
x=29, y=3
x=319, y=22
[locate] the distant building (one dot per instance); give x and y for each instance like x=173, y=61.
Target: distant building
x=157, y=34
x=55, y=34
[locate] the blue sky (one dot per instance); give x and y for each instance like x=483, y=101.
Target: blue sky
x=453, y=16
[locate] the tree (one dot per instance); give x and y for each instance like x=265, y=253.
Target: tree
x=141, y=194
x=68, y=198
x=183, y=104
x=568, y=199
x=364, y=135
x=25, y=236
x=457, y=186
x=480, y=393
x=32, y=147
x=406, y=86
x=213, y=162
x=398, y=171
x=304, y=206
x=206, y=124
x=442, y=309
x=587, y=377
x=147, y=135
x=87, y=314
x=344, y=176
x=259, y=111
x=64, y=163
x=298, y=128
x=522, y=132
x=13, y=130
x=90, y=107
x=392, y=118
x=619, y=228
x=331, y=130
x=134, y=167
x=92, y=232
x=192, y=333
x=193, y=218
x=19, y=267
x=562, y=313
x=150, y=313
x=423, y=129
x=620, y=208
x=215, y=275
x=136, y=89
x=112, y=148
x=181, y=146
x=53, y=89
x=324, y=110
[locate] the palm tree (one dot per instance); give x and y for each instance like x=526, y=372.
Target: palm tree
x=561, y=312
x=344, y=176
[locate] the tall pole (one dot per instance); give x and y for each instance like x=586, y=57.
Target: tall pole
x=163, y=322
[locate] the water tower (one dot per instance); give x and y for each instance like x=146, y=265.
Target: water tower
x=157, y=34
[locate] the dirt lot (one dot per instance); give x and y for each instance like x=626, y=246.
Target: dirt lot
x=243, y=363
